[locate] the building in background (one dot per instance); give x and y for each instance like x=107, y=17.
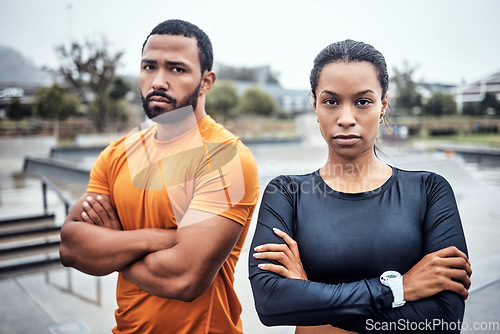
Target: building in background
x=476, y=91
x=289, y=101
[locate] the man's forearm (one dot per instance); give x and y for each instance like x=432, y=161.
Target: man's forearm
x=186, y=270
x=168, y=274
x=98, y=251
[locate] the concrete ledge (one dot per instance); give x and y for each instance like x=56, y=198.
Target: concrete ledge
x=485, y=151
x=78, y=151
x=56, y=168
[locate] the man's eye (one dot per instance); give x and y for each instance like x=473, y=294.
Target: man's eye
x=178, y=70
x=148, y=67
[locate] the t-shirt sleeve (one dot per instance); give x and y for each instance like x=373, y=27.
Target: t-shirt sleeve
x=441, y=313
x=98, y=181
x=277, y=299
x=231, y=189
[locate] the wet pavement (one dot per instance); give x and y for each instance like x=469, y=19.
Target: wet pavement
x=63, y=300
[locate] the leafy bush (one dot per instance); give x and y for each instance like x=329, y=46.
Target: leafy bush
x=257, y=102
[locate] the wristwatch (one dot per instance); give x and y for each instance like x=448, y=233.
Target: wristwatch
x=394, y=280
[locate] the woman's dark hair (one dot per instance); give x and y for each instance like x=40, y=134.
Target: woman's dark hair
x=349, y=51
x=186, y=29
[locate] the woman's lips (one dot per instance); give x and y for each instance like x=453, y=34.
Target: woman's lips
x=346, y=140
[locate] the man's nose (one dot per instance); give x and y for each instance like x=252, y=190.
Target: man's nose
x=160, y=81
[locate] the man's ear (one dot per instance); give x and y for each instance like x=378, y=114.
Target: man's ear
x=207, y=81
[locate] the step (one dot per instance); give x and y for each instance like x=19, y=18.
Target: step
x=26, y=222
x=18, y=234
x=28, y=244
x=25, y=226
x=18, y=250
x=34, y=263
x=26, y=219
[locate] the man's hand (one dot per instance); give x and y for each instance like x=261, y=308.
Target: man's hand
x=98, y=246
x=445, y=269
x=99, y=211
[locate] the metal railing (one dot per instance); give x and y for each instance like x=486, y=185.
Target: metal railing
x=46, y=183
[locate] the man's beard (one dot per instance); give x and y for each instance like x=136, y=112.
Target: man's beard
x=153, y=113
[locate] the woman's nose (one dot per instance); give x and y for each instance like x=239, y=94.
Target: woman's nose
x=346, y=118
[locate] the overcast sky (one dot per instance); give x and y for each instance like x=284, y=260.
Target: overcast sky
x=449, y=40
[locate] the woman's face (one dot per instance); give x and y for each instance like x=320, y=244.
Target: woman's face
x=348, y=105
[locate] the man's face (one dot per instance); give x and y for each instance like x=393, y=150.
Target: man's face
x=170, y=74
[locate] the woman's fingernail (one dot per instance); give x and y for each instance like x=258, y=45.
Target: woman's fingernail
x=256, y=254
x=85, y=204
x=84, y=215
x=258, y=248
x=262, y=266
x=89, y=198
x=99, y=197
x=277, y=230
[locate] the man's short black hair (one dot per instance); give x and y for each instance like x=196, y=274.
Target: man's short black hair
x=186, y=29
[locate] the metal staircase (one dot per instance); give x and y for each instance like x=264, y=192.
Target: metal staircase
x=31, y=244
x=28, y=244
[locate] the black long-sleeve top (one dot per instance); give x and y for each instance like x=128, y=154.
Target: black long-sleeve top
x=346, y=241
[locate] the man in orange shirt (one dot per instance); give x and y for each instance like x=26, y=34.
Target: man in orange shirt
x=169, y=205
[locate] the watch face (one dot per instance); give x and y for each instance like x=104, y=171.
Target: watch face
x=390, y=276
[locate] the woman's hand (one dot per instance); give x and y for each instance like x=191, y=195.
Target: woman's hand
x=286, y=254
x=99, y=211
x=445, y=269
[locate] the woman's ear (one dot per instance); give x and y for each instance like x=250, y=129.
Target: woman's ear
x=314, y=103
x=207, y=81
x=385, y=105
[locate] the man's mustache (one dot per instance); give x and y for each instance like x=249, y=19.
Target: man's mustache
x=161, y=94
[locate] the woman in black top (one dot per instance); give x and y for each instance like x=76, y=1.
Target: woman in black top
x=358, y=223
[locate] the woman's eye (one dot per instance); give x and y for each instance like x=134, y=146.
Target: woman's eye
x=330, y=102
x=363, y=102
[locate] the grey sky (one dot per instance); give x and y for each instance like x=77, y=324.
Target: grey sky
x=449, y=40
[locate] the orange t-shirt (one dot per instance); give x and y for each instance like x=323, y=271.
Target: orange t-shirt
x=152, y=184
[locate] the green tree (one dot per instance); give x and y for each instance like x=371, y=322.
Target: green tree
x=222, y=100
x=55, y=103
x=117, y=105
x=256, y=101
x=489, y=104
x=17, y=111
x=273, y=78
x=119, y=89
x=472, y=109
x=89, y=69
x=440, y=104
x=408, y=98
